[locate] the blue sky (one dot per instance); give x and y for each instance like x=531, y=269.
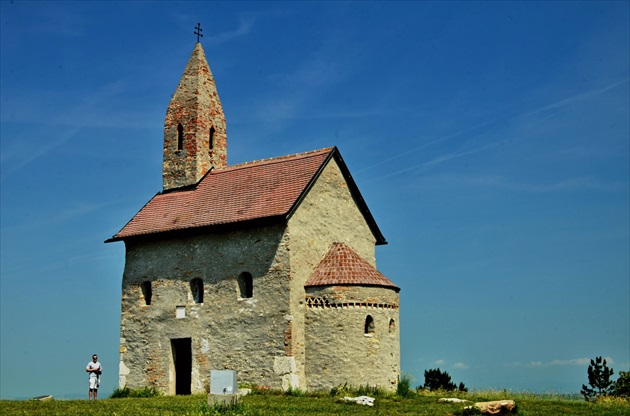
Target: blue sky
x=489, y=139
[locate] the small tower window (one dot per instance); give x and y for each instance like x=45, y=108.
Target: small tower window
x=392, y=326
x=146, y=292
x=196, y=287
x=211, y=138
x=180, y=136
x=369, y=325
x=246, y=285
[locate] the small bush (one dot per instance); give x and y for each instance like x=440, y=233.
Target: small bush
x=621, y=388
x=352, y=391
x=256, y=389
x=142, y=392
x=295, y=392
x=402, y=388
x=340, y=390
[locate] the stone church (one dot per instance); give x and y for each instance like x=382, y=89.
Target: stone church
x=266, y=267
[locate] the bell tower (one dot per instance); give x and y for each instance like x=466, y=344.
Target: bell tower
x=195, y=139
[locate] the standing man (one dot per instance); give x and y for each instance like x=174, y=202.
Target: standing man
x=95, y=369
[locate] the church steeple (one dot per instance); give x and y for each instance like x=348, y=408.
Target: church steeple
x=195, y=138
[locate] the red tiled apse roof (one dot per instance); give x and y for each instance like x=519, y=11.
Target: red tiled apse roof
x=343, y=266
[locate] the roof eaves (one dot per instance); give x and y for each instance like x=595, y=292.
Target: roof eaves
x=115, y=237
x=392, y=286
x=165, y=234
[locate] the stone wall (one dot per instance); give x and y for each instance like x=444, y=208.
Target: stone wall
x=226, y=330
x=338, y=349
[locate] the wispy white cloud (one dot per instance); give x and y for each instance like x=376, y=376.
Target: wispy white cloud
x=567, y=362
x=245, y=25
x=574, y=184
x=63, y=116
x=425, y=166
x=572, y=100
x=542, y=113
x=60, y=217
x=439, y=362
x=295, y=92
x=431, y=143
x=460, y=366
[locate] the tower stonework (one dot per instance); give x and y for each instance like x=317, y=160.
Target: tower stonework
x=195, y=138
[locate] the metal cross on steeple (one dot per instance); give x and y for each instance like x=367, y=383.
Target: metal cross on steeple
x=198, y=31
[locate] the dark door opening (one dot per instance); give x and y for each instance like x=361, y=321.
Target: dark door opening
x=182, y=361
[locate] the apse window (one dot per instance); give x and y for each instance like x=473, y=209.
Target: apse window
x=392, y=326
x=369, y=325
x=246, y=285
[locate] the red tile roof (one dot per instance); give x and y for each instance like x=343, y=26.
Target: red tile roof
x=248, y=191
x=343, y=266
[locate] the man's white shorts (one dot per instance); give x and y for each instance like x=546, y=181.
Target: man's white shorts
x=94, y=383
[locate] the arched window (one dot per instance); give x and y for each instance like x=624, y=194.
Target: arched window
x=246, y=285
x=369, y=325
x=196, y=287
x=392, y=326
x=211, y=139
x=180, y=136
x=146, y=292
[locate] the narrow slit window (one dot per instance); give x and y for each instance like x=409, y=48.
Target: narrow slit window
x=392, y=326
x=369, y=325
x=180, y=136
x=147, y=292
x=211, y=138
x=246, y=285
x=196, y=287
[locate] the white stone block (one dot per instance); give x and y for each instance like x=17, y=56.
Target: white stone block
x=290, y=381
x=284, y=365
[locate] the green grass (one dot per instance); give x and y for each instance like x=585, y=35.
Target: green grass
x=424, y=403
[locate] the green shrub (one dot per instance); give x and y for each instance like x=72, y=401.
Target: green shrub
x=621, y=388
x=352, y=391
x=142, y=392
x=295, y=392
x=402, y=388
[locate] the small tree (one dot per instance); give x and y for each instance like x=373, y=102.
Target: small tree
x=435, y=379
x=598, y=378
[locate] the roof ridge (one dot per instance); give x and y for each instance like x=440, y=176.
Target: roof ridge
x=270, y=160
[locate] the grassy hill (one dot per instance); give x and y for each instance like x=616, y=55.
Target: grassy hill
x=275, y=404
